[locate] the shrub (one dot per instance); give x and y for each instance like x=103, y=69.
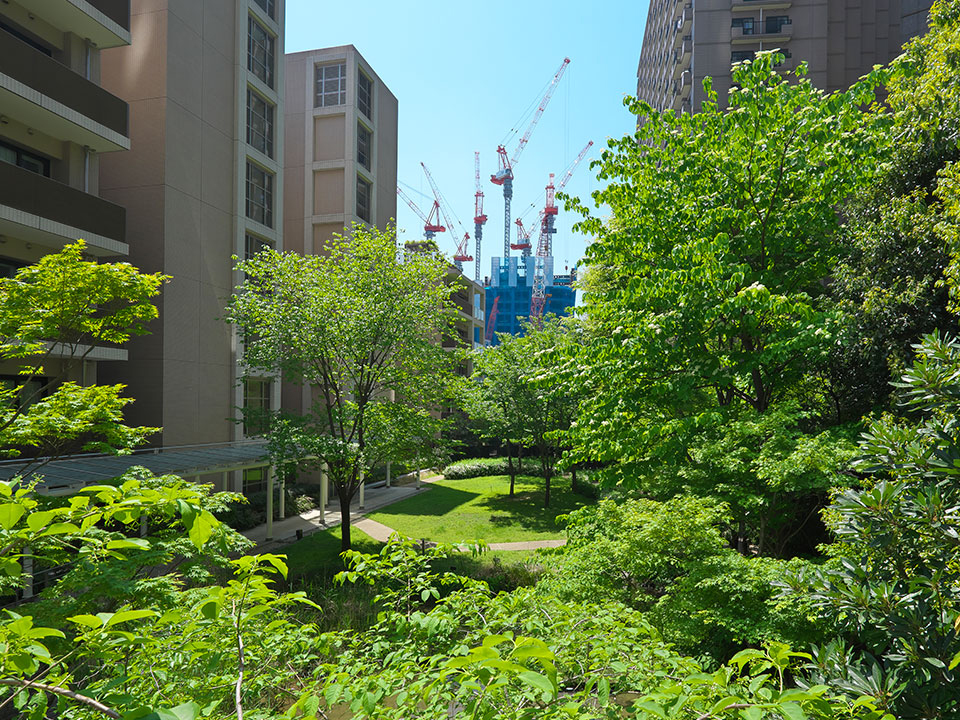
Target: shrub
x=478, y=467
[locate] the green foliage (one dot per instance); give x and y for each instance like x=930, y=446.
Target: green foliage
x=364, y=332
x=711, y=311
x=893, y=587
x=518, y=400
x=480, y=467
x=52, y=315
x=671, y=561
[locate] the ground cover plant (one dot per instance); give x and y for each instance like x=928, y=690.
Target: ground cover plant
x=482, y=509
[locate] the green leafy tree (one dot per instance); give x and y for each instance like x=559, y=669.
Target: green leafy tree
x=520, y=400
x=892, y=584
x=711, y=308
x=363, y=332
x=53, y=314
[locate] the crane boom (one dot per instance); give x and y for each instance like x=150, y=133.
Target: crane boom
x=431, y=222
x=460, y=256
x=491, y=321
x=504, y=175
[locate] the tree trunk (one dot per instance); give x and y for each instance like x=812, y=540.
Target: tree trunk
x=573, y=478
x=547, y=475
x=344, y=519
x=513, y=474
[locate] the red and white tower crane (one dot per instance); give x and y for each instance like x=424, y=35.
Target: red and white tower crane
x=504, y=174
x=460, y=256
x=431, y=222
x=479, y=219
x=491, y=321
x=544, y=244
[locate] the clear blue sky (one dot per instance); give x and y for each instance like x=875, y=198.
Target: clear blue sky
x=465, y=73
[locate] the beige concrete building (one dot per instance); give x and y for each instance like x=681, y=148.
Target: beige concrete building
x=56, y=122
x=340, y=163
x=688, y=40
x=201, y=183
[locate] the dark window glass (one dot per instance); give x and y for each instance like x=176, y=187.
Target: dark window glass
x=254, y=245
x=775, y=23
x=745, y=23
x=25, y=159
x=259, y=123
x=28, y=391
x=364, y=146
x=260, y=51
x=259, y=195
x=254, y=480
x=741, y=55
x=330, y=85
x=256, y=403
x=36, y=45
x=268, y=6
x=365, y=95
x=364, y=197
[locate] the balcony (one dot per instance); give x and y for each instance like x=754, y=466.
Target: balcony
x=681, y=8
x=37, y=209
x=760, y=33
x=685, y=21
x=47, y=96
x=105, y=22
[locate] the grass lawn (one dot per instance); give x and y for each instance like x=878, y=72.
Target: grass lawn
x=481, y=509
x=319, y=553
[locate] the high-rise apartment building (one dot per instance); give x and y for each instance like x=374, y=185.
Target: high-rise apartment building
x=841, y=40
x=340, y=162
x=56, y=122
x=201, y=183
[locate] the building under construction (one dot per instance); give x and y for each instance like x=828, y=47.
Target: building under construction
x=509, y=291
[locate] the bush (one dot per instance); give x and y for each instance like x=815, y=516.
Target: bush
x=478, y=467
x=248, y=515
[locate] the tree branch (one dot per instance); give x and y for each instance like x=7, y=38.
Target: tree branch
x=63, y=692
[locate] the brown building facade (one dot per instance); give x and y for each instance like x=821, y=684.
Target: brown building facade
x=841, y=40
x=201, y=183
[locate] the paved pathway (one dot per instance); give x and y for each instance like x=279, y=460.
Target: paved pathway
x=285, y=531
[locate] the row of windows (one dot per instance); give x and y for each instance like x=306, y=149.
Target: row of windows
x=260, y=193
x=771, y=25
x=330, y=88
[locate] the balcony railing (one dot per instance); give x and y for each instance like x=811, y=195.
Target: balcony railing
x=116, y=10
x=37, y=195
x=58, y=82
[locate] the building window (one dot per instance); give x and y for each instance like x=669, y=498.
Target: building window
x=330, y=85
x=27, y=39
x=27, y=392
x=25, y=159
x=774, y=23
x=261, y=47
x=268, y=6
x=741, y=55
x=364, y=146
x=259, y=195
x=255, y=480
x=255, y=245
x=9, y=267
x=364, y=197
x=365, y=95
x=746, y=24
x=257, y=394
x=259, y=123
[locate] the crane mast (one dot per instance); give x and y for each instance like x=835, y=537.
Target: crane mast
x=504, y=175
x=479, y=219
x=548, y=217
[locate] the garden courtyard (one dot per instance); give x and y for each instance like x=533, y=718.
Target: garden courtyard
x=446, y=510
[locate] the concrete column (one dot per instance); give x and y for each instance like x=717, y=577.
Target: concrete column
x=270, y=503
x=283, y=498
x=388, y=474
x=418, y=478
x=363, y=489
